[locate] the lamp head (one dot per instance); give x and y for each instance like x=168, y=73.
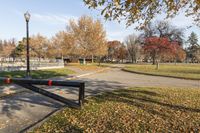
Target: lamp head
x=27, y=16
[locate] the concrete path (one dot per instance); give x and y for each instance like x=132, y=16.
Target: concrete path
x=24, y=109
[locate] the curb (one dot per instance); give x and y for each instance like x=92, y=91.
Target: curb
x=38, y=123
x=87, y=74
x=125, y=70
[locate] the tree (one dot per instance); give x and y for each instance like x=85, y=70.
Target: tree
x=133, y=47
x=62, y=44
x=157, y=47
x=178, y=54
x=1, y=47
x=116, y=51
x=113, y=47
x=7, y=47
x=163, y=29
x=122, y=53
x=38, y=46
x=19, y=51
x=90, y=37
x=143, y=11
x=197, y=54
x=193, y=46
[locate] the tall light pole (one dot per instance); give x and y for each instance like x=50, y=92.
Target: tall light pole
x=27, y=18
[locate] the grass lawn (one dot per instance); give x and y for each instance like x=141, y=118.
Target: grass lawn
x=180, y=70
x=131, y=110
x=39, y=73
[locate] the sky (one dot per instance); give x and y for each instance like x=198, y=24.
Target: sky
x=50, y=16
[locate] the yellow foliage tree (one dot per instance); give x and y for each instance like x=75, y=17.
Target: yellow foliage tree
x=143, y=11
x=90, y=37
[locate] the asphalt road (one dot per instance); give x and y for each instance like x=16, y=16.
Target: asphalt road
x=117, y=79
x=22, y=110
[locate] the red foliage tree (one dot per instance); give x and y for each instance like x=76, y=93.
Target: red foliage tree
x=161, y=47
x=179, y=54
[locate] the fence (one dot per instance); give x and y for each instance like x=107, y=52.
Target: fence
x=33, y=66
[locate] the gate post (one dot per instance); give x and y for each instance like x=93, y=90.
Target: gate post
x=81, y=94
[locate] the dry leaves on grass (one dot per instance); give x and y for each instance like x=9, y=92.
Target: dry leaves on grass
x=132, y=110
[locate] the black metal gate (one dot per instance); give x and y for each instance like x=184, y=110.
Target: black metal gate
x=30, y=84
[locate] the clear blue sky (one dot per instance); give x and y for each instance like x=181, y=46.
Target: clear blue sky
x=50, y=16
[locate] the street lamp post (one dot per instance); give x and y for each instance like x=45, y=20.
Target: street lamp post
x=27, y=18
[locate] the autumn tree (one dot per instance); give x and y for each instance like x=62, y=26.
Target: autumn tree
x=7, y=47
x=163, y=29
x=1, y=47
x=178, y=54
x=143, y=11
x=157, y=47
x=62, y=44
x=38, y=46
x=197, y=55
x=20, y=50
x=193, y=48
x=113, y=47
x=122, y=53
x=133, y=47
x=90, y=37
x=117, y=51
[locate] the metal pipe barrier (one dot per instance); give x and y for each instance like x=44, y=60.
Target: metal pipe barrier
x=29, y=84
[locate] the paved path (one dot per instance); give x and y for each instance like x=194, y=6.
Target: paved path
x=24, y=109
x=115, y=79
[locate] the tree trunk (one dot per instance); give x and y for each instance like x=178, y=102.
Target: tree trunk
x=157, y=65
x=1, y=62
x=39, y=58
x=154, y=57
x=175, y=61
x=92, y=59
x=132, y=60
x=99, y=60
x=84, y=62
x=154, y=60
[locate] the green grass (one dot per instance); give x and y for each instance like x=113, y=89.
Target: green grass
x=131, y=110
x=39, y=73
x=187, y=71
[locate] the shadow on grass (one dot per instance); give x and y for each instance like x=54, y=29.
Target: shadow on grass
x=143, y=99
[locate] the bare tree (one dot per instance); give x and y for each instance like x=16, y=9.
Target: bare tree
x=133, y=47
x=163, y=29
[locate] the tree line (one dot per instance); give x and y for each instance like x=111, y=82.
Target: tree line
x=159, y=42
x=86, y=38
x=81, y=39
